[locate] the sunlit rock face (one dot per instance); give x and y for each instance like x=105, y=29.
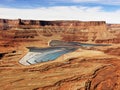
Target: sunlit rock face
x=95, y=68
x=80, y=31
x=16, y=32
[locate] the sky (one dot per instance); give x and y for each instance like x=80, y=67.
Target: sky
x=82, y=10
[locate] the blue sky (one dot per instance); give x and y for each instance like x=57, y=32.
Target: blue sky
x=85, y=10
x=108, y=5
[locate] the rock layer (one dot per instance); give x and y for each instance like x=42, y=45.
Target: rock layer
x=80, y=31
x=79, y=70
x=94, y=69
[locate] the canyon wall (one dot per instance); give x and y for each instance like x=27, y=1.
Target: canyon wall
x=8, y=24
x=80, y=31
x=83, y=69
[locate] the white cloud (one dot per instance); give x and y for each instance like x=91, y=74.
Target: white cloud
x=62, y=13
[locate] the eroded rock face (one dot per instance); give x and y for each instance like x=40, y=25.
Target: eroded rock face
x=93, y=69
x=51, y=23
x=91, y=31
x=113, y=51
x=11, y=24
x=79, y=70
x=114, y=29
x=25, y=33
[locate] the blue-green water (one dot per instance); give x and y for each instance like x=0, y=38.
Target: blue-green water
x=57, y=49
x=48, y=54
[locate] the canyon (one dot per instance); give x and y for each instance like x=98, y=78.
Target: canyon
x=94, y=68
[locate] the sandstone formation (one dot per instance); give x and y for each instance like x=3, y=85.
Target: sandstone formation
x=79, y=70
x=95, y=68
x=91, y=31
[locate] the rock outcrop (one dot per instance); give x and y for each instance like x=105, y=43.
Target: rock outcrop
x=91, y=31
x=95, y=68
x=79, y=70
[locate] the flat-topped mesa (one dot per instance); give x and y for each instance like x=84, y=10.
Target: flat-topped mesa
x=18, y=22
x=51, y=23
x=10, y=23
x=68, y=30
x=73, y=23
x=6, y=24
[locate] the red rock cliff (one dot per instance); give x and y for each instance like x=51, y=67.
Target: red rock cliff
x=81, y=31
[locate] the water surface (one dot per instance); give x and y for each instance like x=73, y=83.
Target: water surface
x=58, y=48
x=38, y=55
